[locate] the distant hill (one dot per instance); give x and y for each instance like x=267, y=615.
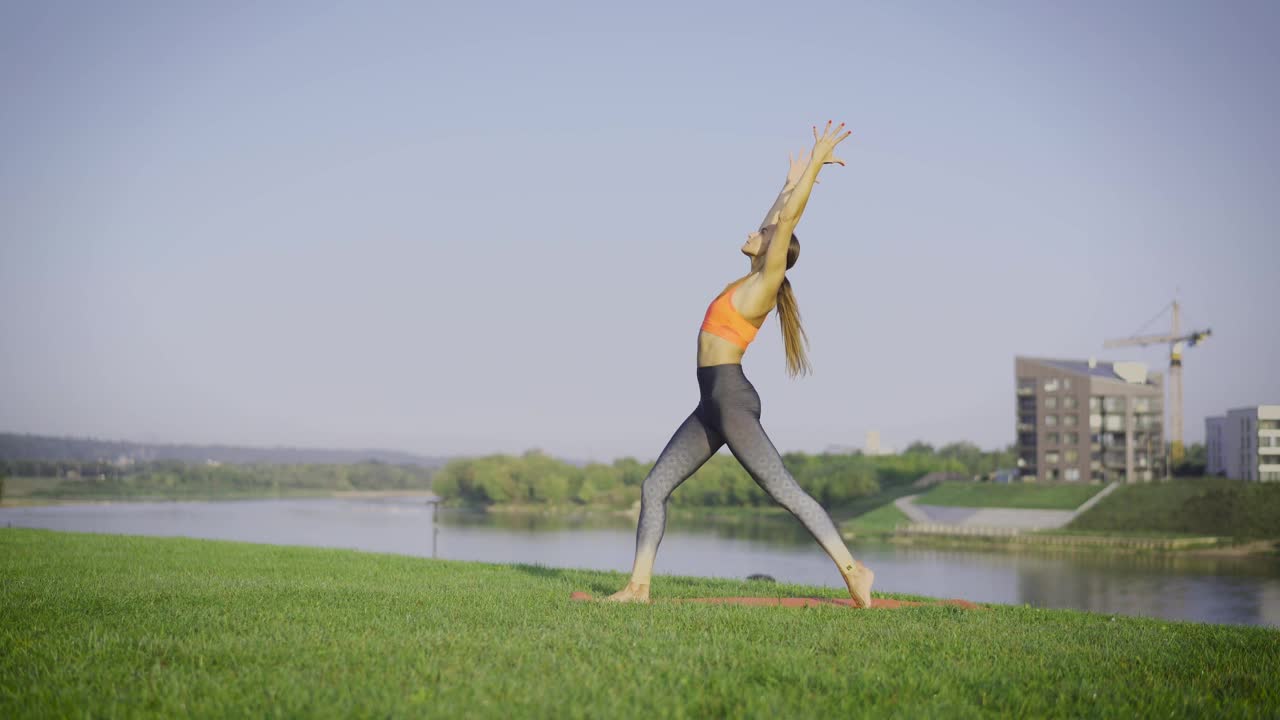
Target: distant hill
x=43, y=447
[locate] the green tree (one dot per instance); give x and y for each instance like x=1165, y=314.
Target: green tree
x=630, y=471
x=553, y=489
x=919, y=447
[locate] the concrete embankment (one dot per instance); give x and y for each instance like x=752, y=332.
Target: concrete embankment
x=994, y=518
x=1015, y=537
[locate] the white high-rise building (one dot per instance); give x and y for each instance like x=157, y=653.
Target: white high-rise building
x=873, y=446
x=1245, y=444
x=1215, y=463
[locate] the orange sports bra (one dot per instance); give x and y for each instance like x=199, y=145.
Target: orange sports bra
x=723, y=321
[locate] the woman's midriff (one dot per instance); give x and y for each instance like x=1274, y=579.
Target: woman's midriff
x=715, y=350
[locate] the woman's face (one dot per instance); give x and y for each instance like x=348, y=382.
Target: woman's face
x=757, y=241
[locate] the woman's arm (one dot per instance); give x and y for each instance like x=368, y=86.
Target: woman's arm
x=793, y=207
x=794, y=171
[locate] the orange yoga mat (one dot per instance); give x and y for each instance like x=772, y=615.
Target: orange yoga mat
x=876, y=603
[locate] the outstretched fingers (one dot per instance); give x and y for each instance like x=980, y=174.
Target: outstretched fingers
x=824, y=143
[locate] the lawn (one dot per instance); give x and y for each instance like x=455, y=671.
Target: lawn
x=94, y=625
x=1034, y=496
x=1201, y=506
x=881, y=521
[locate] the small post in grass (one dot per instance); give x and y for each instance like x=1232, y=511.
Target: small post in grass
x=435, y=524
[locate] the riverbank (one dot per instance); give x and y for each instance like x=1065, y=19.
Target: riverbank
x=112, y=625
x=1075, y=542
x=38, y=501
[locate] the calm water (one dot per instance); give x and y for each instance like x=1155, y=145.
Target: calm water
x=1243, y=591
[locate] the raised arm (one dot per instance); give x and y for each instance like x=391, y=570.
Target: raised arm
x=793, y=205
x=794, y=171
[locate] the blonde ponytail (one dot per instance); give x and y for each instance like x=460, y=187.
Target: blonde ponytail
x=793, y=336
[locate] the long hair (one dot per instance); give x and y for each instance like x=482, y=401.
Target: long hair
x=793, y=336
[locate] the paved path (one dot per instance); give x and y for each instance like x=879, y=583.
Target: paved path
x=1094, y=500
x=995, y=517
x=908, y=508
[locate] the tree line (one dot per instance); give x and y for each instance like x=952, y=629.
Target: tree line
x=172, y=477
x=535, y=478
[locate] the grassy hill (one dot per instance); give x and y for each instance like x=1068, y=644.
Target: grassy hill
x=1204, y=506
x=151, y=627
x=1031, y=496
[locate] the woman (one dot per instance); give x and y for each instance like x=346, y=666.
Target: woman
x=729, y=410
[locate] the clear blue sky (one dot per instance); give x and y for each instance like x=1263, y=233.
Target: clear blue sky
x=473, y=227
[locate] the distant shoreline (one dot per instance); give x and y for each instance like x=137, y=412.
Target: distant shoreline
x=1124, y=544
x=28, y=501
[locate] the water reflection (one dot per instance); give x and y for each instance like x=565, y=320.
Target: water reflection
x=1228, y=590
x=772, y=528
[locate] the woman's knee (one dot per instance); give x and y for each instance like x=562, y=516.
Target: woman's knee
x=788, y=493
x=653, y=491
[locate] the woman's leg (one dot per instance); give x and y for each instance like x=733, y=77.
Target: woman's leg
x=692, y=445
x=752, y=447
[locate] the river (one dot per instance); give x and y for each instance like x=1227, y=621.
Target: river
x=1217, y=590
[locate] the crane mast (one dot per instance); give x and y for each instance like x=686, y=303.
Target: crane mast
x=1177, y=344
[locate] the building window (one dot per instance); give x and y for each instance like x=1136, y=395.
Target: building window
x=1026, y=386
x=1071, y=438
x=1142, y=405
x=1071, y=474
x=1070, y=456
x=1051, y=438
x=1114, y=423
x=1052, y=474
x=1069, y=420
x=1051, y=403
x=1051, y=457
x=1269, y=424
x=1069, y=402
x=1095, y=404
x=1095, y=421
x=1051, y=385
x=1050, y=420
x=1113, y=404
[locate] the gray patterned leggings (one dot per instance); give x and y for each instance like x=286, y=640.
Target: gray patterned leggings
x=729, y=412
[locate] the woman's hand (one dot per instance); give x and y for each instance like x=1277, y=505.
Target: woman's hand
x=798, y=164
x=798, y=196
x=825, y=144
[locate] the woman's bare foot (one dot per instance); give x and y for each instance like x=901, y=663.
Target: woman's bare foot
x=858, y=578
x=633, y=592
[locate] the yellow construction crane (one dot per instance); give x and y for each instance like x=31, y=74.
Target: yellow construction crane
x=1177, y=342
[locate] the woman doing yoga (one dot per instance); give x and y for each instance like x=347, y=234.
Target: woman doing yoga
x=729, y=410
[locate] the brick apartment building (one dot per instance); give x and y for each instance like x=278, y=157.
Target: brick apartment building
x=1088, y=421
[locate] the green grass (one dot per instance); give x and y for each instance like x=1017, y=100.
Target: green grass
x=1202, y=506
x=1016, y=495
x=881, y=521
x=110, y=626
x=888, y=493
